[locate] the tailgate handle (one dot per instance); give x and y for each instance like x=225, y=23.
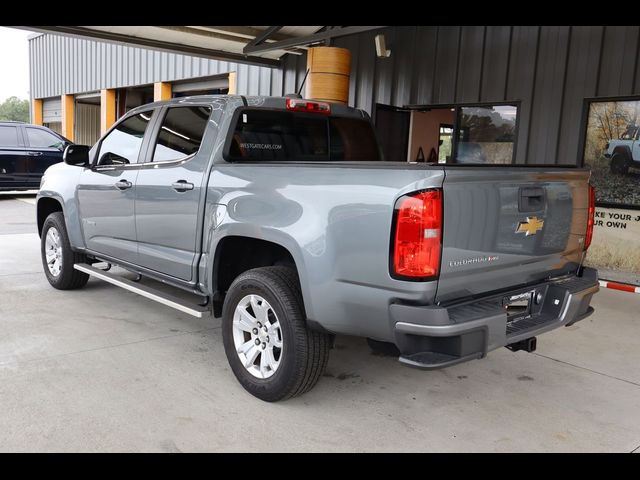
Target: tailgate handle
x=531, y=199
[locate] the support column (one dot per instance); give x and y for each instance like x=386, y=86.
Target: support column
x=68, y=113
x=36, y=111
x=329, y=69
x=107, y=109
x=233, y=83
x=161, y=91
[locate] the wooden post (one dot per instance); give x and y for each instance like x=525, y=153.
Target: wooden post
x=233, y=83
x=107, y=109
x=68, y=112
x=36, y=111
x=161, y=91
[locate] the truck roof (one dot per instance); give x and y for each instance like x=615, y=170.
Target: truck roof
x=252, y=101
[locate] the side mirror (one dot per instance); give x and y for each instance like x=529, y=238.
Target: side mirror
x=76, y=155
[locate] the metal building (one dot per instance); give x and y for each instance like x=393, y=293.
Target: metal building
x=479, y=94
x=546, y=72
x=68, y=75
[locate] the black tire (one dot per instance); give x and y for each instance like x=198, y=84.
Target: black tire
x=619, y=163
x=305, y=352
x=68, y=278
x=384, y=349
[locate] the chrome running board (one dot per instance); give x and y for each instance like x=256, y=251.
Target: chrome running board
x=148, y=292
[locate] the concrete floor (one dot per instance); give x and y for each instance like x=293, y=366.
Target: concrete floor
x=102, y=369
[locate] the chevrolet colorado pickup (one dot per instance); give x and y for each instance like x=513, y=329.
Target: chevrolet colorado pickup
x=282, y=215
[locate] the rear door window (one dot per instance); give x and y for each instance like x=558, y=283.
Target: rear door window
x=181, y=133
x=278, y=135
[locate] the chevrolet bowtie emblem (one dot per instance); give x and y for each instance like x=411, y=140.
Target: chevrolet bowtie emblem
x=531, y=226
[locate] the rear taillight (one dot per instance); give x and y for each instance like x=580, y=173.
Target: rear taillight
x=299, y=105
x=417, y=238
x=591, y=217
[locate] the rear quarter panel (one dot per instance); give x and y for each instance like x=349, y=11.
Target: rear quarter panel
x=335, y=220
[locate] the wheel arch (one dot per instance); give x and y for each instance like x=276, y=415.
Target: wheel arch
x=45, y=207
x=236, y=252
x=623, y=150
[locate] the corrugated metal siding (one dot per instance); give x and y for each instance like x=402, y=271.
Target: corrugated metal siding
x=65, y=65
x=550, y=69
x=87, y=123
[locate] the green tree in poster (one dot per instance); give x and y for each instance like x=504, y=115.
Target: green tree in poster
x=14, y=109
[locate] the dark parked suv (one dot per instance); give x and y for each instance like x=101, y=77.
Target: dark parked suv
x=26, y=151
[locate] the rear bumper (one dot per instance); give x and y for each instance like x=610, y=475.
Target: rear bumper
x=435, y=337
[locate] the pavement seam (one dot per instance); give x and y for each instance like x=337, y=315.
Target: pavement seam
x=28, y=201
x=106, y=347
x=588, y=369
x=635, y=449
x=22, y=273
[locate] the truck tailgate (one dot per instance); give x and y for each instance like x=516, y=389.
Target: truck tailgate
x=510, y=226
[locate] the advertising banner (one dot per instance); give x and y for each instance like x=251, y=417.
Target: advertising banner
x=612, y=151
x=615, y=249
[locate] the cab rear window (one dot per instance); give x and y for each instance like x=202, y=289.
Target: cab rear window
x=282, y=136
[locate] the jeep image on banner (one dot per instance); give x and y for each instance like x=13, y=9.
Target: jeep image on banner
x=612, y=151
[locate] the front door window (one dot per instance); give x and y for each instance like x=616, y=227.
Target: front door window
x=122, y=145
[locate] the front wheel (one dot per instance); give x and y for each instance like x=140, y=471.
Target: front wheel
x=57, y=256
x=272, y=352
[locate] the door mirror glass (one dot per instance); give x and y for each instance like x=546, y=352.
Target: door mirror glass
x=76, y=155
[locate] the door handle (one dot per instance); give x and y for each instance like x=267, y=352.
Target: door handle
x=531, y=199
x=182, y=186
x=123, y=184
x=34, y=154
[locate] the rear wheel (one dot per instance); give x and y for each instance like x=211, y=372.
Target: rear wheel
x=58, y=258
x=619, y=163
x=272, y=352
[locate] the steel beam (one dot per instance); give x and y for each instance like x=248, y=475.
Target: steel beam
x=316, y=37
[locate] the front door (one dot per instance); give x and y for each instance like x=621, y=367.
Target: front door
x=106, y=192
x=168, y=192
x=13, y=158
x=43, y=150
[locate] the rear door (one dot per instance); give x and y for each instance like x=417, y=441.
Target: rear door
x=43, y=149
x=13, y=159
x=168, y=191
x=510, y=226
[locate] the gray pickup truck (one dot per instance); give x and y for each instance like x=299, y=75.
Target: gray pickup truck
x=285, y=220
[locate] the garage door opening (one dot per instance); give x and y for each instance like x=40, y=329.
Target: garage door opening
x=87, y=118
x=212, y=85
x=430, y=135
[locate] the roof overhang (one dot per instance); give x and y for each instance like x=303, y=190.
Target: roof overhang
x=245, y=44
